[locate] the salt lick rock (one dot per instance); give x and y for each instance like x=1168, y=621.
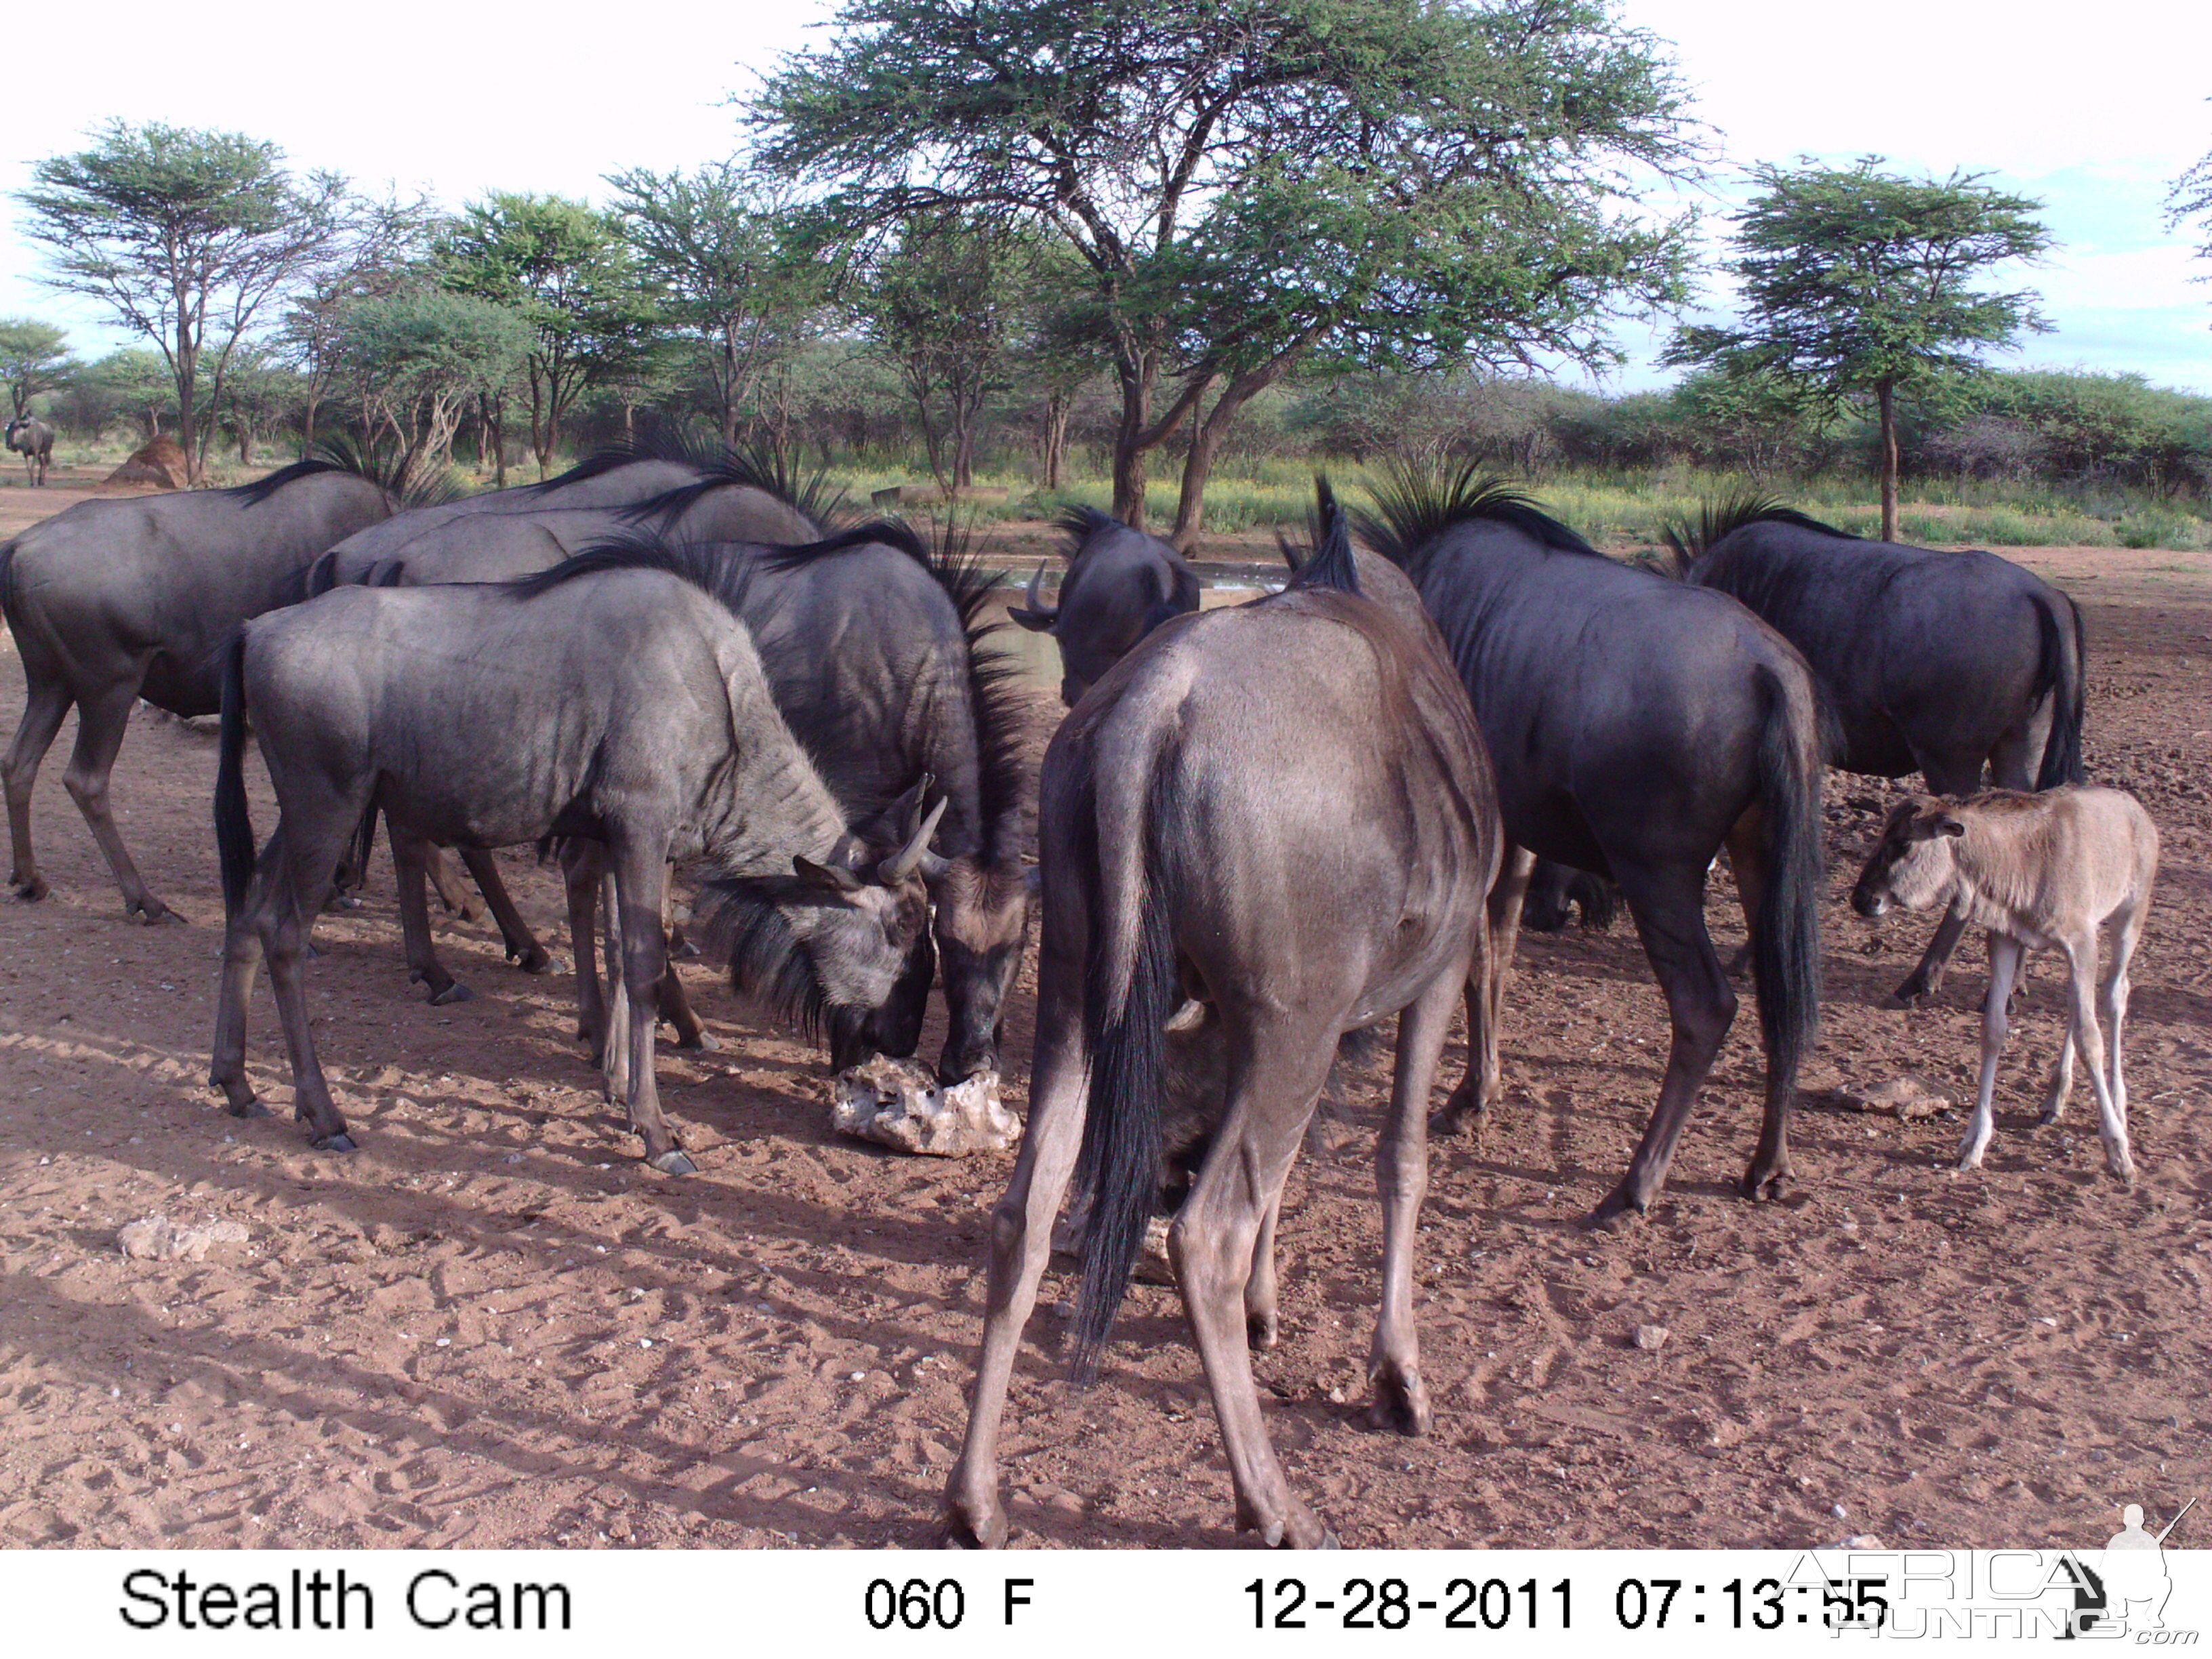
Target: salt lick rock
x=156, y=1238
x=898, y=1103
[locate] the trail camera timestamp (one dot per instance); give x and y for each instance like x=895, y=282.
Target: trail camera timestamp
x=1499, y=1604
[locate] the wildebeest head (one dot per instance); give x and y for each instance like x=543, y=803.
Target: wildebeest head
x=983, y=913
x=1555, y=891
x=1120, y=585
x=1912, y=863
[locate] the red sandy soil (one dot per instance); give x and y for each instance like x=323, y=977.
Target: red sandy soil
x=491, y=1326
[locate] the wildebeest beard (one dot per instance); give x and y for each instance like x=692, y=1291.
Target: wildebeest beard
x=810, y=982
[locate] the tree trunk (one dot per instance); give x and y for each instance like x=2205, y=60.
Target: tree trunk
x=1055, y=436
x=187, y=385
x=1884, y=397
x=1206, y=441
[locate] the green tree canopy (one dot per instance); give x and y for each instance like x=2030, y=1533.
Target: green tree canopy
x=185, y=235
x=2190, y=197
x=35, y=358
x=1858, y=285
x=421, y=358
x=738, y=274
x=1248, y=181
x=565, y=268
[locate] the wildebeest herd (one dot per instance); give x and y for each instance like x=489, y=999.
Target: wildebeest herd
x=1260, y=830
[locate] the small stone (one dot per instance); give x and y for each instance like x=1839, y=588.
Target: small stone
x=1907, y=1098
x=1837, y=1510
x=1863, y=1540
x=1336, y=1396
x=860, y=1377
x=1651, y=1338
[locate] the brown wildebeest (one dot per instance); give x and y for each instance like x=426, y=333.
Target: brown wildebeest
x=609, y=698
x=1281, y=813
x=33, y=440
x=111, y=601
x=2042, y=872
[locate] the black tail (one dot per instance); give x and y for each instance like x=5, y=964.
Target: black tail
x=2063, y=676
x=1786, y=945
x=1120, y=1164
x=233, y=829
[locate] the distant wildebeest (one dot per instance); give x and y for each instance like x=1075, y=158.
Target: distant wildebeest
x=615, y=698
x=1277, y=819
x=33, y=440
x=1554, y=894
x=1934, y=662
x=1120, y=585
x=1635, y=725
x=2042, y=872
x=114, y=601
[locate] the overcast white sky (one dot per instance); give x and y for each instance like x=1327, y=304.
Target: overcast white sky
x=2093, y=109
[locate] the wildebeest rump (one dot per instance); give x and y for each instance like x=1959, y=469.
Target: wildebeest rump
x=608, y=699
x=1930, y=662
x=1281, y=813
x=114, y=601
x=1120, y=585
x=2041, y=872
x=1636, y=725
x=33, y=440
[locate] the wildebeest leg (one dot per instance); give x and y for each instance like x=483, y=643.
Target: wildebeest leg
x=1922, y=983
x=1263, y=1323
x=2127, y=924
x=641, y=868
x=2081, y=1015
x=580, y=872
x=672, y=1004
x=1669, y=905
x=451, y=894
x=1275, y=1074
x=313, y=841
x=44, y=709
x=1745, y=839
x=100, y=723
x=1401, y=1175
x=1485, y=995
x=241, y=944
x=410, y=858
x=2004, y=963
x=1021, y=1231
x=522, y=946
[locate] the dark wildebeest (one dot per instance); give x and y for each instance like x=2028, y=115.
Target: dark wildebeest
x=1635, y=725
x=1932, y=662
x=33, y=440
x=1556, y=892
x=1120, y=585
x=114, y=601
x=2042, y=872
x=1281, y=813
x=615, y=698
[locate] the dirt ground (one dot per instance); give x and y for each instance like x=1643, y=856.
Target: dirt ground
x=491, y=1326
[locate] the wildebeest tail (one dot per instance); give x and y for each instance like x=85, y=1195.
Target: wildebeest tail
x=1130, y=993
x=1786, y=945
x=2063, y=674
x=233, y=828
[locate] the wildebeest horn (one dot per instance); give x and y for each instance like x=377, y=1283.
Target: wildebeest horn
x=908, y=859
x=1034, y=616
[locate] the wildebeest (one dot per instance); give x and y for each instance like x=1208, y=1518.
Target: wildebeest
x=1934, y=662
x=33, y=440
x=1554, y=894
x=1636, y=725
x=1281, y=814
x=2042, y=872
x=1120, y=585
x=615, y=697
x=114, y=601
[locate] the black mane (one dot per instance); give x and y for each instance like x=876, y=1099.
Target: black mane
x=660, y=442
x=1686, y=542
x=758, y=466
x=389, y=470
x=1416, y=505
x=1326, y=560
x=706, y=566
x=1079, y=524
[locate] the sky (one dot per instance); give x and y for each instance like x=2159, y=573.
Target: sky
x=2092, y=111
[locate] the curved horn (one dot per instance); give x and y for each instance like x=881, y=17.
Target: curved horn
x=1036, y=599
x=908, y=859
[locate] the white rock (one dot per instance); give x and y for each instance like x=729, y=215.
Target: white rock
x=1907, y=1097
x=897, y=1103
x=1651, y=1338
x=156, y=1238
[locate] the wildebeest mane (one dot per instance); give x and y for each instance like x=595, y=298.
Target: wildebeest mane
x=1078, y=525
x=707, y=567
x=1727, y=515
x=662, y=441
x=753, y=466
x=1414, y=504
x=1326, y=559
x=390, y=471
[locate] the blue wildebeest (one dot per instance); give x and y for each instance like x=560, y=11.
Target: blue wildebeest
x=1637, y=725
x=1556, y=892
x=33, y=440
x=2042, y=872
x=1940, y=663
x=651, y=730
x=114, y=601
x=1276, y=820
x=1120, y=585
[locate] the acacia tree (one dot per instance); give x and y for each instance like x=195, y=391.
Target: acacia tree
x=565, y=269
x=35, y=358
x=2190, y=197
x=423, y=359
x=1247, y=182
x=380, y=249
x=185, y=235
x=739, y=275
x=1858, y=285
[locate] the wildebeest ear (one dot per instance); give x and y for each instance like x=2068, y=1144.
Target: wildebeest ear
x=830, y=876
x=1949, y=826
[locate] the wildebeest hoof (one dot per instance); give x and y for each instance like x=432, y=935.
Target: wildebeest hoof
x=1910, y=995
x=151, y=911
x=2050, y=1117
x=1617, y=1212
x=1399, y=1403
x=454, y=992
x=704, y=1043
x=1451, y=1121
x=1262, y=1330
x=975, y=1527
x=683, y=949
x=536, y=960
x=1768, y=1187
x=340, y=1142
x=247, y=1108
x=674, y=1162
x=33, y=891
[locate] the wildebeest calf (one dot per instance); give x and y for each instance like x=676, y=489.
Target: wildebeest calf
x=2040, y=872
